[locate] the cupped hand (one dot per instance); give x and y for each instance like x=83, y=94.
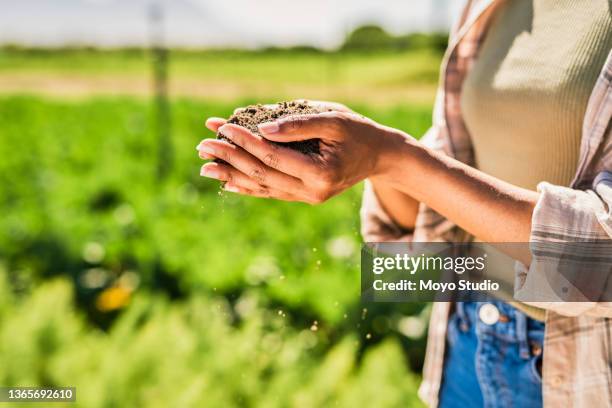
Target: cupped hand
x=215, y=123
x=351, y=148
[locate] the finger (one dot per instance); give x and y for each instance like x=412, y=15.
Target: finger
x=205, y=156
x=261, y=192
x=238, y=182
x=302, y=127
x=215, y=123
x=248, y=164
x=202, y=154
x=283, y=159
x=226, y=173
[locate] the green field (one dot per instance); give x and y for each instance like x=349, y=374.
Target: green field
x=375, y=79
x=167, y=293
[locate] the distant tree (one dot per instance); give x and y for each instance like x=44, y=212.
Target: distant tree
x=435, y=41
x=368, y=38
x=375, y=38
x=304, y=49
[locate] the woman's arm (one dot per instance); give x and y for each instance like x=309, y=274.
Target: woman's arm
x=402, y=208
x=488, y=208
x=354, y=148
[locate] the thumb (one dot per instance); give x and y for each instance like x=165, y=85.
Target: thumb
x=301, y=127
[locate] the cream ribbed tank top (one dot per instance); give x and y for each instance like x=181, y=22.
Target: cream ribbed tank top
x=525, y=98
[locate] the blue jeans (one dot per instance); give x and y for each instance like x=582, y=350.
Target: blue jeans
x=495, y=364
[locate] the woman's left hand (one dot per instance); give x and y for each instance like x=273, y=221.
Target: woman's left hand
x=351, y=148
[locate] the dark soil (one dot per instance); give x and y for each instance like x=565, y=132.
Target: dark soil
x=253, y=115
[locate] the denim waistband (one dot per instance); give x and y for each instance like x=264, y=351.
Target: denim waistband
x=512, y=326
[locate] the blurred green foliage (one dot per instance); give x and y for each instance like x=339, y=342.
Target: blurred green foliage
x=148, y=293
x=79, y=177
x=187, y=296
x=189, y=354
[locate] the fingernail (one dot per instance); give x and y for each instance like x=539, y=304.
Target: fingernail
x=226, y=131
x=208, y=172
x=230, y=188
x=269, y=127
x=206, y=148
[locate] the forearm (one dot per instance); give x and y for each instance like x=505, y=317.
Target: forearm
x=401, y=207
x=489, y=208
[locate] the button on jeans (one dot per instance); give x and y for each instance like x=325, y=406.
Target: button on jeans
x=492, y=363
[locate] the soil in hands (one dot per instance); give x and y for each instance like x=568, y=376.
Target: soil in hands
x=253, y=115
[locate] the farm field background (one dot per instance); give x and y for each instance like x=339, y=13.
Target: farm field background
x=143, y=292
x=381, y=79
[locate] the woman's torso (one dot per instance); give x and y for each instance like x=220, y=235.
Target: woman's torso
x=524, y=99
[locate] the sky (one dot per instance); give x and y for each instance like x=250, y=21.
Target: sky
x=214, y=23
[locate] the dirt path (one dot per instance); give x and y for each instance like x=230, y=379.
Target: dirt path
x=80, y=86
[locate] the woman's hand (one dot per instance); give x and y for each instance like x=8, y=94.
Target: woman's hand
x=351, y=148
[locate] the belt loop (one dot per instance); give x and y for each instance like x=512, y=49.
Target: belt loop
x=521, y=334
x=464, y=322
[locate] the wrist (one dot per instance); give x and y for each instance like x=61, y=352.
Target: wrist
x=394, y=152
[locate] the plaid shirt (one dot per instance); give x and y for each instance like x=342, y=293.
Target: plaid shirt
x=577, y=367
